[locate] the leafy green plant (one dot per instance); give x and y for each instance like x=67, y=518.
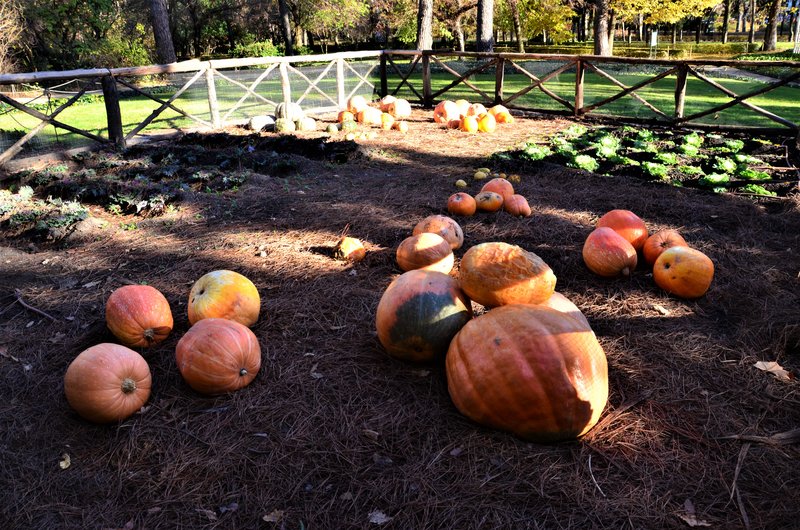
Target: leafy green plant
x=724, y=165
x=656, y=170
x=691, y=170
x=584, y=162
x=752, y=174
x=667, y=158
x=758, y=190
x=536, y=152
x=714, y=179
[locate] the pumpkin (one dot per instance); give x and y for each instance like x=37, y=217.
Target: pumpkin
x=627, y=224
x=217, y=356
x=608, y=254
x=138, y=315
x=425, y=251
x=387, y=121
x=684, y=272
x=332, y=128
x=486, y=123
x=489, y=201
x=462, y=105
x=469, y=124
x=385, y=102
x=461, y=203
x=224, y=294
x=349, y=249
x=290, y=111
x=504, y=117
x=501, y=186
x=454, y=124
x=306, y=124
x=561, y=303
x=356, y=104
x=476, y=109
x=497, y=273
x=284, y=125
x=344, y=116
x=659, y=242
x=400, y=108
x=400, y=126
x=369, y=116
x=445, y=112
x=419, y=314
x=528, y=370
x=497, y=109
x=517, y=205
x=349, y=126
x=107, y=383
x=444, y=226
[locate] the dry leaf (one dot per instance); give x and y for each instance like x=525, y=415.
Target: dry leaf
x=315, y=374
x=208, y=513
x=90, y=285
x=372, y=435
x=457, y=451
x=65, y=461
x=775, y=369
x=274, y=517
x=661, y=309
x=692, y=520
x=378, y=517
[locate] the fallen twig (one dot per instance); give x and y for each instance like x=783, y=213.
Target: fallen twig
x=31, y=308
x=781, y=438
x=593, y=479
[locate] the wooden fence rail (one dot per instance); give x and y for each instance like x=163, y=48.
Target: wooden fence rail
x=411, y=70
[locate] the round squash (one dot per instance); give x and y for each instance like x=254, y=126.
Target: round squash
x=400, y=126
x=469, y=124
x=504, y=117
x=356, y=104
x=501, y=186
x=561, y=303
x=217, y=356
x=608, y=254
x=107, y=383
x=488, y=201
x=369, y=116
x=497, y=109
x=138, y=315
x=517, y=205
x=224, y=294
x=486, y=123
x=444, y=226
x=290, y=111
x=387, y=121
x=476, y=109
x=385, y=102
x=445, y=112
x=307, y=123
x=684, y=272
x=627, y=224
x=528, y=370
x=344, y=116
x=349, y=249
x=496, y=273
x=419, y=314
x=462, y=204
x=400, y=108
x=425, y=251
x=462, y=106
x=659, y=242
x=284, y=125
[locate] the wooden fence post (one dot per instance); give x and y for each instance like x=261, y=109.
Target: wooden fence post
x=213, y=104
x=579, y=77
x=680, y=90
x=384, y=76
x=113, y=114
x=499, y=76
x=426, y=80
x=286, y=88
x=341, y=96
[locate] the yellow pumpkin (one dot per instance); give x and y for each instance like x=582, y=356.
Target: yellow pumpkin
x=224, y=294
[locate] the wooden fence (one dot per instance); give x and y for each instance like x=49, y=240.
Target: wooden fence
x=412, y=71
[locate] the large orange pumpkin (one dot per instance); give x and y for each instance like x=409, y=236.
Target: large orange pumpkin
x=627, y=224
x=400, y=109
x=425, y=251
x=517, y=205
x=488, y=201
x=561, y=303
x=224, y=294
x=385, y=102
x=684, y=272
x=107, y=383
x=419, y=313
x=461, y=204
x=369, y=116
x=444, y=226
x=529, y=370
x=356, y=104
x=608, y=254
x=138, y=315
x=497, y=273
x=217, y=356
x=501, y=186
x=659, y=242
x=445, y=112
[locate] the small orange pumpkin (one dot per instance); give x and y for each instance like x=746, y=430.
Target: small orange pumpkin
x=486, y=123
x=224, y=294
x=386, y=101
x=462, y=105
x=138, y=315
x=387, y=121
x=217, y=356
x=684, y=272
x=345, y=115
x=107, y=383
x=469, y=124
x=356, y=104
x=475, y=109
x=400, y=126
x=349, y=249
x=608, y=254
x=504, y=117
x=419, y=313
x=501, y=186
x=444, y=226
x=462, y=204
x=445, y=112
x=489, y=201
x=497, y=109
x=627, y=224
x=517, y=205
x=498, y=273
x=400, y=108
x=659, y=242
x=369, y=116
x=425, y=251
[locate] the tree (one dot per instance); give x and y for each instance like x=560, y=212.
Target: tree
x=601, y=17
x=530, y=18
x=771, y=33
x=425, y=25
x=10, y=32
x=726, y=15
x=485, y=33
x=286, y=26
x=165, y=50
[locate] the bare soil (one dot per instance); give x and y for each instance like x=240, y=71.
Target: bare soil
x=333, y=433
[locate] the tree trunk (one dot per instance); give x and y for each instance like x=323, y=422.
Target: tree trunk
x=698, y=31
x=771, y=33
x=611, y=31
x=796, y=48
x=165, y=51
x=751, y=37
x=641, y=27
x=674, y=39
x=514, y=7
x=286, y=27
x=726, y=15
x=485, y=40
x=601, y=16
x=424, y=25
x=739, y=15
x=462, y=46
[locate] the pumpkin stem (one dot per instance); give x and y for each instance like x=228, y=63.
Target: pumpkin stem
x=243, y=372
x=626, y=271
x=128, y=385
x=149, y=335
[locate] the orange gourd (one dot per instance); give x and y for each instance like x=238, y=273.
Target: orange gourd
x=349, y=249
x=517, y=205
x=107, y=383
x=501, y=186
x=387, y=121
x=356, y=104
x=462, y=204
x=400, y=108
x=400, y=126
x=497, y=273
x=425, y=251
x=345, y=115
x=217, y=356
x=561, y=303
x=419, y=313
x=684, y=272
x=504, y=117
x=224, y=294
x=475, y=109
x=659, y=242
x=497, y=109
x=444, y=226
x=445, y=112
x=528, y=370
x=488, y=201
x=608, y=254
x=627, y=224
x=486, y=123
x=369, y=116
x=138, y=315
x=385, y=102
x=469, y=124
